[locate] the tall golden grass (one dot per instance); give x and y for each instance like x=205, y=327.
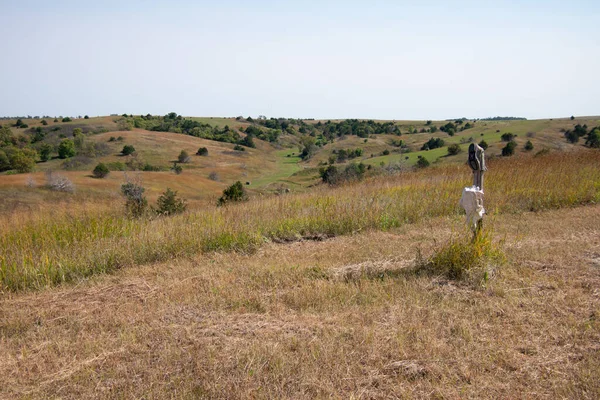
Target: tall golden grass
x=59, y=247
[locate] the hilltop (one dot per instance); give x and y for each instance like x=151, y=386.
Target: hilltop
x=281, y=154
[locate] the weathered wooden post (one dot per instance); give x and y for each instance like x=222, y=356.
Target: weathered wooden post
x=472, y=197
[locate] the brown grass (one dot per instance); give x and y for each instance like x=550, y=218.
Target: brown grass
x=283, y=322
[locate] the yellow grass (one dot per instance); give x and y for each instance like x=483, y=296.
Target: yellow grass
x=293, y=321
x=58, y=248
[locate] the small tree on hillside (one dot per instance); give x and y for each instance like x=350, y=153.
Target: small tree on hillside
x=66, y=149
x=45, y=151
x=101, y=171
x=233, y=193
x=168, y=203
x=454, y=149
x=183, y=157
x=593, y=139
x=135, y=201
x=202, y=151
x=528, y=146
x=422, y=162
x=127, y=150
x=483, y=144
x=509, y=149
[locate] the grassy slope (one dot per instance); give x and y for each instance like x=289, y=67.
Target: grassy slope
x=337, y=318
x=547, y=134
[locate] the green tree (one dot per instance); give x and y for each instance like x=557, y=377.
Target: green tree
x=4, y=161
x=44, y=122
x=66, y=149
x=101, y=171
x=183, y=157
x=483, y=144
x=571, y=136
x=509, y=149
x=233, y=193
x=454, y=149
x=127, y=150
x=202, y=151
x=23, y=160
x=593, y=139
x=45, y=152
x=168, y=203
x=528, y=145
x=422, y=162
x=66, y=119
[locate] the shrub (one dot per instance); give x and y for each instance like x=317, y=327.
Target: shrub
x=136, y=203
x=422, y=162
x=509, y=149
x=234, y=193
x=59, y=183
x=86, y=117
x=66, y=149
x=237, y=147
x=183, y=157
x=178, y=169
x=202, y=151
x=169, y=204
x=433, y=144
x=213, y=176
x=593, y=139
x=45, y=151
x=101, y=171
x=44, y=122
x=454, y=149
x=127, y=150
x=116, y=166
x=55, y=119
x=385, y=152
x=23, y=160
x=468, y=259
x=483, y=144
x=508, y=137
x=66, y=119
x=112, y=139
x=529, y=145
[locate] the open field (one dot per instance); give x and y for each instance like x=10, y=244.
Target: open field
x=337, y=318
x=46, y=251
x=311, y=294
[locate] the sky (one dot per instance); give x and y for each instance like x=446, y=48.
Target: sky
x=304, y=59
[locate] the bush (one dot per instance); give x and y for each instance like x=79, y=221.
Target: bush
x=529, y=145
x=237, y=147
x=202, y=151
x=86, y=117
x=169, y=204
x=183, y=157
x=101, y=171
x=23, y=160
x=593, y=139
x=508, y=137
x=112, y=139
x=422, y=162
x=509, y=149
x=66, y=119
x=59, y=183
x=433, y=144
x=468, y=259
x=483, y=144
x=454, y=149
x=213, y=176
x=136, y=203
x=178, y=169
x=127, y=150
x=45, y=152
x=385, y=152
x=234, y=193
x=44, y=122
x=66, y=149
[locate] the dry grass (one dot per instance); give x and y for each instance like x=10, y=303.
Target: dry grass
x=279, y=323
x=54, y=250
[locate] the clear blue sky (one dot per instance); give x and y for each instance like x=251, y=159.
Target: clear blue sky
x=322, y=59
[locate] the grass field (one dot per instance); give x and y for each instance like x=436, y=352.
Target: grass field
x=311, y=294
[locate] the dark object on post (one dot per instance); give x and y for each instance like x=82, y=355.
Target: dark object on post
x=477, y=164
